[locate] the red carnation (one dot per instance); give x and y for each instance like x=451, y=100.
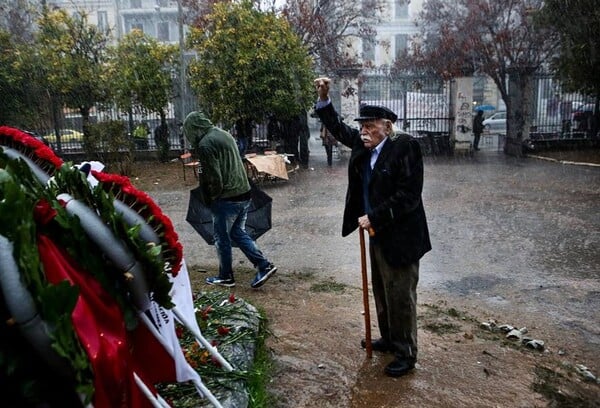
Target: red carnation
x=204, y=313
x=43, y=212
x=216, y=362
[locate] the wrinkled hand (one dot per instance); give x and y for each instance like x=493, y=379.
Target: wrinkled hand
x=322, y=87
x=364, y=222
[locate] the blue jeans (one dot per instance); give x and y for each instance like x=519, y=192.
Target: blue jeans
x=242, y=143
x=229, y=223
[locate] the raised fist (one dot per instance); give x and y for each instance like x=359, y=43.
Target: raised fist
x=322, y=87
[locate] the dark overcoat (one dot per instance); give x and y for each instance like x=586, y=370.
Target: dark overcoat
x=397, y=214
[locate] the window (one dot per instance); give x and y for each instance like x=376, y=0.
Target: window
x=162, y=31
x=163, y=3
x=401, y=41
x=368, y=49
x=401, y=7
x=135, y=3
x=103, y=21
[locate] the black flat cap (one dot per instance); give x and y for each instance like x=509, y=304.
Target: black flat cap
x=370, y=112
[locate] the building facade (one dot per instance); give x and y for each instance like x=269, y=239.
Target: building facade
x=393, y=34
x=157, y=18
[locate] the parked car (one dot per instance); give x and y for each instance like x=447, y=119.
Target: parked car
x=496, y=123
x=66, y=135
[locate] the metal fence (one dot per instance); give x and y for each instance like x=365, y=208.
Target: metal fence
x=423, y=106
x=70, y=137
x=557, y=113
x=421, y=102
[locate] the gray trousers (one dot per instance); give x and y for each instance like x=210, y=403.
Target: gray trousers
x=395, y=293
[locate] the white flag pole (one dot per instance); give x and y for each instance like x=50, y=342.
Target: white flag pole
x=211, y=349
x=156, y=402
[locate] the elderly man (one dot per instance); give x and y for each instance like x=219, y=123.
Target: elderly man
x=385, y=181
x=226, y=191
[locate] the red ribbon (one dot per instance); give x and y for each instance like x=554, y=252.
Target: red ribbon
x=99, y=324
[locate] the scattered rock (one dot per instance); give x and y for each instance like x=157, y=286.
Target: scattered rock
x=489, y=326
x=514, y=335
x=535, y=344
x=585, y=373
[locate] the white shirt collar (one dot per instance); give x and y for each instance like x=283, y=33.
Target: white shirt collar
x=379, y=146
x=376, y=150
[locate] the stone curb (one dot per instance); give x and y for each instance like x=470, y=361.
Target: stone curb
x=533, y=156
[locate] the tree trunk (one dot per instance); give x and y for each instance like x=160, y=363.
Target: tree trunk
x=518, y=114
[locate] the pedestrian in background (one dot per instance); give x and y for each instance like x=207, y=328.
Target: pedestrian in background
x=477, y=128
x=243, y=135
x=304, y=136
x=273, y=132
x=328, y=142
x=161, y=139
x=226, y=191
x=290, y=131
x=385, y=182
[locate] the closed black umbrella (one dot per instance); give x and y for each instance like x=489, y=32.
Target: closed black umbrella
x=257, y=223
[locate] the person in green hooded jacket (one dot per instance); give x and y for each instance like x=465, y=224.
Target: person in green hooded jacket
x=226, y=191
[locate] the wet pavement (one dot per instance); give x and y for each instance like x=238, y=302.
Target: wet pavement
x=517, y=237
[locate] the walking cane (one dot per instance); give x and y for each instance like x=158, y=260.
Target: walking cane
x=365, y=287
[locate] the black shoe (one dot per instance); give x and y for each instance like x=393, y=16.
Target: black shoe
x=215, y=280
x=263, y=276
x=400, y=366
x=378, y=345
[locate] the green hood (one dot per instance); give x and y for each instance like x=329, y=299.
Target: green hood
x=195, y=126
